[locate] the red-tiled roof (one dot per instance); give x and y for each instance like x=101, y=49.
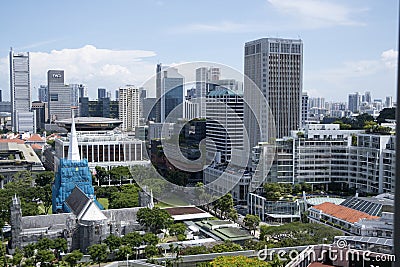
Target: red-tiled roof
x=14, y=140
x=343, y=213
x=35, y=138
x=36, y=147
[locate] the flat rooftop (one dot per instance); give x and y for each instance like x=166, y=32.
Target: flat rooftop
x=187, y=213
x=90, y=123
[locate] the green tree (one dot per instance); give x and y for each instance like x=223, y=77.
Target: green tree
x=297, y=234
x=234, y=261
x=177, y=229
x=113, y=242
x=133, y=239
x=227, y=246
x=98, y=253
x=44, y=244
x=232, y=215
x=150, y=239
x=123, y=251
x=224, y=204
x=154, y=219
x=60, y=245
x=128, y=197
x=150, y=251
x=45, y=257
x=44, y=195
x=101, y=174
x=17, y=257
x=29, y=250
x=386, y=114
x=73, y=258
x=119, y=173
x=44, y=178
x=273, y=191
x=251, y=222
x=195, y=250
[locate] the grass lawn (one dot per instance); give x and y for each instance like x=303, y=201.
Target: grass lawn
x=41, y=209
x=103, y=202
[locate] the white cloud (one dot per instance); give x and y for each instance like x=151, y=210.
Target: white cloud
x=318, y=14
x=376, y=75
x=89, y=65
x=308, y=14
x=389, y=58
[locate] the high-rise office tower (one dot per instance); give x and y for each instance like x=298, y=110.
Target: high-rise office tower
x=42, y=93
x=101, y=93
x=75, y=91
x=82, y=91
x=116, y=95
x=275, y=65
x=224, y=125
x=388, y=102
x=59, y=96
x=169, y=93
x=354, y=102
x=1, y=95
x=317, y=102
x=202, y=82
x=129, y=107
x=205, y=81
x=367, y=97
x=20, y=89
x=157, y=105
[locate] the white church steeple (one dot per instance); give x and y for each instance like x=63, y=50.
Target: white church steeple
x=73, y=149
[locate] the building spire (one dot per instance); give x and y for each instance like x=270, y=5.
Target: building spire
x=73, y=149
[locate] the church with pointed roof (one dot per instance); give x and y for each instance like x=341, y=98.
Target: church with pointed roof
x=77, y=216
x=71, y=172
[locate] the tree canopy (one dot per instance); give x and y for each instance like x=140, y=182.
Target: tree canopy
x=251, y=221
x=234, y=261
x=297, y=234
x=154, y=219
x=98, y=253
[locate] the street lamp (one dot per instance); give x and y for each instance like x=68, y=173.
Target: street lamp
x=127, y=260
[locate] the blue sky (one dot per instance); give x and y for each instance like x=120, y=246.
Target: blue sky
x=348, y=45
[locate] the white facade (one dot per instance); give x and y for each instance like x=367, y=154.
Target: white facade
x=372, y=163
x=129, y=107
x=26, y=122
x=20, y=85
x=325, y=154
x=191, y=109
x=225, y=127
x=106, y=149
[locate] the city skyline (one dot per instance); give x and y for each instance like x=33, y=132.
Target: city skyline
x=349, y=46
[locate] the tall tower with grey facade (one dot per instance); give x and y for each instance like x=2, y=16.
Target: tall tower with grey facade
x=275, y=65
x=169, y=93
x=20, y=90
x=60, y=96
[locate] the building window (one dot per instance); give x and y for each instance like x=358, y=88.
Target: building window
x=53, y=97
